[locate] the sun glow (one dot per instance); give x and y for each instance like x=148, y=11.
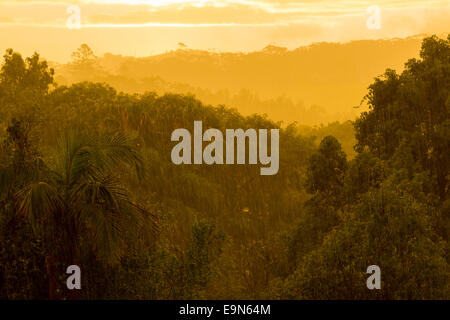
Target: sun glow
x=243, y=25
x=153, y=3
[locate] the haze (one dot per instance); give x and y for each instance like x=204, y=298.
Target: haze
x=146, y=27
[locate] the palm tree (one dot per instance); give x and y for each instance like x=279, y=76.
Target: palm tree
x=82, y=206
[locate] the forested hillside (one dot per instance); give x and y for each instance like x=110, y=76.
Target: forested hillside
x=313, y=84
x=86, y=178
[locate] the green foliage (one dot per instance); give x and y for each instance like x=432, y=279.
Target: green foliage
x=394, y=209
x=386, y=229
x=326, y=171
x=86, y=178
x=23, y=83
x=365, y=172
x=412, y=110
x=22, y=257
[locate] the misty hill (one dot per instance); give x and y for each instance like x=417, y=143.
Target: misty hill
x=313, y=84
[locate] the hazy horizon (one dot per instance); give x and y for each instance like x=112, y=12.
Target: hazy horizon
x=111, y=189
x=142, y=27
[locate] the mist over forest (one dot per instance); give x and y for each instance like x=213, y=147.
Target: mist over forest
x=86, y=176
x=312, y=85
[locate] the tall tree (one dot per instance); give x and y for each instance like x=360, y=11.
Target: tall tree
x=326, y=171
x=413, y=109
x=81, y=206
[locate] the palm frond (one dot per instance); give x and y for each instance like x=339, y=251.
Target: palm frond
x=38, y=202
x=83, y=155
x=111, y=216
x=106, y=232
x=121, y=150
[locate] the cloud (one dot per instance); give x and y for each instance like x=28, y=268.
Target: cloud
x=6, y=20
x=135, y=13
x=208, y=14
x=189, y=15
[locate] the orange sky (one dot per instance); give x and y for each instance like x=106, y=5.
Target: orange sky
x=144, y=27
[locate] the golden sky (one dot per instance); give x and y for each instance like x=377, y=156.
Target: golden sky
x=144, y=27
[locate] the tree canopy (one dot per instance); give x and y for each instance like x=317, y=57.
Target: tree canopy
x=86, y=178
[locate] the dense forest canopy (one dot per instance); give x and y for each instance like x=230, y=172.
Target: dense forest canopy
x=86, y=178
